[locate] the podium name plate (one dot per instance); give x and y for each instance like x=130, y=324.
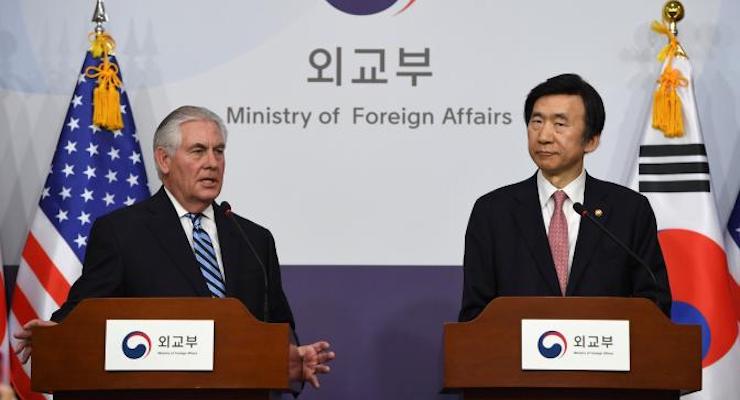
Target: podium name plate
x=568, y=344
x=158, y=345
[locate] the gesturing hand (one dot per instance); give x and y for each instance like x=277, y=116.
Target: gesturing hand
x=307, y=361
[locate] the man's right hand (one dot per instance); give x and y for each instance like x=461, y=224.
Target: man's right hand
x=23, y=348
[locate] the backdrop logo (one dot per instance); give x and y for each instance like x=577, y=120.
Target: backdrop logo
x=367, y=7
x=141, y=345
x=556, y=349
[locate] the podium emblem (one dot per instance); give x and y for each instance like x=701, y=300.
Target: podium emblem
x=557, y=347
x=136, y=345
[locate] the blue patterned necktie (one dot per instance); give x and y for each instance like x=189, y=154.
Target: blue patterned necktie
x=206, y=257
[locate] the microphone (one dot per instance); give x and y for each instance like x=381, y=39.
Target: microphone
x=578, y=207
x=228, y=213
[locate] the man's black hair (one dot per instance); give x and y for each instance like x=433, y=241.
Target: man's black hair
x=571, y=84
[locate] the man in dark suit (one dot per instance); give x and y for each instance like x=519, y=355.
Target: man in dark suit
x=525, y=239
x=180, y=243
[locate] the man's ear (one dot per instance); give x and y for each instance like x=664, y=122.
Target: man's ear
x=593, y=143
x=163, y=159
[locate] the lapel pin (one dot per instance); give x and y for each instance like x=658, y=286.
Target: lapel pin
x=598, y=212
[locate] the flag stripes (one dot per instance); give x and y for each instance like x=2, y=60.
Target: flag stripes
x=665, y=150
x=44, y=269
x=674, y=168
x=21, y=381
x=58, y=252
x=674, y=186
x=4, y=339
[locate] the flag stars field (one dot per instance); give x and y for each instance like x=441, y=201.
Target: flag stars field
x=68, y=170
x=65, y=193
x=90, y=172
x=74, y=123
x=92, y=149
x=70, y=147
x=132, y=180
x=76, y=101
x=81, y=240
x=113, y=153
x=87, y=195
x=108, y=199
x=61, y=215
x=84, y=218
x=111, y=176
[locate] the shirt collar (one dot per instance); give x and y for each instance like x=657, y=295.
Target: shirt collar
x=181, y=211
x=575, y=189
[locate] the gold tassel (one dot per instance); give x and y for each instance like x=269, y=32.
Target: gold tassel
x=670, y=50
x=667, y=106
x=106, y=96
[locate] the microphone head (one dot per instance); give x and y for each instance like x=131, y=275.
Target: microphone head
x=578, y=207
x=226, y=207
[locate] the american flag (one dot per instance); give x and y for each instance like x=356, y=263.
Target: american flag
x=94, y=171
x=4, y=347
x=732, y=246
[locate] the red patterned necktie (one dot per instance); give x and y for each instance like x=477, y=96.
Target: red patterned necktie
x=558, y=237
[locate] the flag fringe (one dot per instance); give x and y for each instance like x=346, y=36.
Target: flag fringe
x=667, y=106
x=106, y=96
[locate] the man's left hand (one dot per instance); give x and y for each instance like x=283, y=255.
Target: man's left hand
x=306, y=362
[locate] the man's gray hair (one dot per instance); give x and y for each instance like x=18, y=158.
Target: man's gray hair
x=168, y=135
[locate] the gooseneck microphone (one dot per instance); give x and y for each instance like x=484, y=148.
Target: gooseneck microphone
x=226, y=207
x=578, y=207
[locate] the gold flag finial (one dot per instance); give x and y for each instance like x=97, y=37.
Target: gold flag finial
x=672, y=13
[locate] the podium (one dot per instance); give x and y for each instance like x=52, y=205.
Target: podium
x=482, y=358
x=250, y=356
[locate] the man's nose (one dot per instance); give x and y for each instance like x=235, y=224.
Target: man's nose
x=211, y=159
x=546, y=133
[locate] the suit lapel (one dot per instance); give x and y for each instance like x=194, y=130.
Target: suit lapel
x=528, y=217
x=167, y=229
x=589, y=235
x=229, y=241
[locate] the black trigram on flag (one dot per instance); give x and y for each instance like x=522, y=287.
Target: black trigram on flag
x=674, y=168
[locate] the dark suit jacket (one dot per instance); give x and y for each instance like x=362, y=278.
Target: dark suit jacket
x=507, y=252
x=142, y=251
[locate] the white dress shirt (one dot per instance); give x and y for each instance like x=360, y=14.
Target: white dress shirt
x=575, y=191
x=207, y=222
